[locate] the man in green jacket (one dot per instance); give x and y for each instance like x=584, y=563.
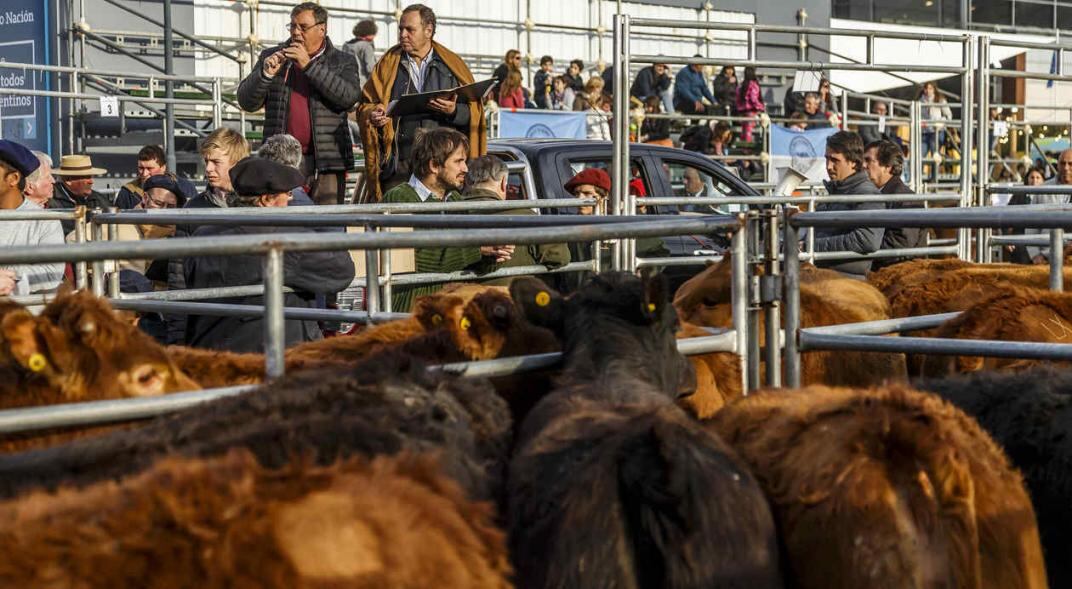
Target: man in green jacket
x=439, y=166
x=486, y=182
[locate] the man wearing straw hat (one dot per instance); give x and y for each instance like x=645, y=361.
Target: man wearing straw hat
x=18, y=166
x=75, y=188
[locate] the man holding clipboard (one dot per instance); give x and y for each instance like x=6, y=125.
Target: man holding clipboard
x=389, y=121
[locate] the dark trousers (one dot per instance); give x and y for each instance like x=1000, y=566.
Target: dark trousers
x=325, y=188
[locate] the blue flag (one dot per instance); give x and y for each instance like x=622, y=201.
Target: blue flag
x=804, y=151
x=1053, y=69
x=542, y=124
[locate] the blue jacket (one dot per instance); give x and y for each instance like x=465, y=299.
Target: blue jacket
x=691, y=86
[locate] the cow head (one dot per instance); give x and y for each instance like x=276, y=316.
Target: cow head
x=704, y=299
x=616, y=326
x=436, y=311
x=490, y=326
x=79, y=348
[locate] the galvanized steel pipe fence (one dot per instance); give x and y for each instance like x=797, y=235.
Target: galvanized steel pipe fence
x=273, y=247
x=865, y=336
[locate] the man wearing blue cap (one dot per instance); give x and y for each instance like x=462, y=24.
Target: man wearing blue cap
x=17, y=164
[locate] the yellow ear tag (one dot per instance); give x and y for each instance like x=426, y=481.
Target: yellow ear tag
x=464, y=323
x=37, y=362
x=651, y=307
x=543, y=299
x=437, y=319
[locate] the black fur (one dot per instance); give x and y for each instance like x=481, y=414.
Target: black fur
x=386, y=404
x=1030, y=415
x=612, y=485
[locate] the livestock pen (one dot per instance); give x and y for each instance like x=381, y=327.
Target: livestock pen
x=546, y=230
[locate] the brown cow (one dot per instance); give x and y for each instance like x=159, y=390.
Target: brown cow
x=886, y=488
x=1012, y=314
x=446, y=311
x=79, y=349
x=718, y=377
x=826, y=298
x=927, y=287
x=215, y=368
x=229, y=522
x=930, y=289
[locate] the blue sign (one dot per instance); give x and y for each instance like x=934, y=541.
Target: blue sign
x=24, y=39
x=542, y=124
x=803, y=151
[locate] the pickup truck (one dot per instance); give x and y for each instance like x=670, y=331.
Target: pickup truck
x=547, y=164
x=540, y=168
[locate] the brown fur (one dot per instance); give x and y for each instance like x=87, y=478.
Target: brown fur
x=228, y=522
x=429, y=313
x=886, y=488
x=891, y=279
x=930, y=290
x=88, y=352
x=718, y=377
x=443, y=310
x=1012, y=314
x=826, y=298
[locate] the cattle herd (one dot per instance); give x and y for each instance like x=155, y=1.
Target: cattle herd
x=628, y=466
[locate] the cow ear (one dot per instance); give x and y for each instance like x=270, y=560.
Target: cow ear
x=432, y=311
x=19, y=331
x=541, y=305
x=656, y=294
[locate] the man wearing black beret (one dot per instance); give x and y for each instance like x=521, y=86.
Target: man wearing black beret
x=262, y=183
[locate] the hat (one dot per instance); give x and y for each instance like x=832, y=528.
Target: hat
x=256, y=176
x=164, y=181
x=77, y=165
x=595, y=176
x=18, y=157
x=167, y=182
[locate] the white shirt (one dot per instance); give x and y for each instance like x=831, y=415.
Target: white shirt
x=423, y=192
x=417, y=71
x=33, y=278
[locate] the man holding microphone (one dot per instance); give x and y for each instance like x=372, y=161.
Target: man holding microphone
x=306, y=86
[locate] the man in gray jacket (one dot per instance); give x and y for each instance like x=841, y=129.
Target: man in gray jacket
x=844, y=165
x=306, y=86
x=363, y=49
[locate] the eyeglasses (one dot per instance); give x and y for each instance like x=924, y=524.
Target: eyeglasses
x=152, y=203
x=304, y=28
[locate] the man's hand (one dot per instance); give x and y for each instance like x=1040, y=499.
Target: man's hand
x=378, y=117
x=1040, y=259
x=445, y=106
x=7, y=282
x=273, y=63
x=297, y=53
x=501, y=253
x=699, y=106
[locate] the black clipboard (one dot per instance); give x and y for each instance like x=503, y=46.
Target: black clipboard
x=412, y=104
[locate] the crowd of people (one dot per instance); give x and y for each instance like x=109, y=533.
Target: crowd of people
x=310, y=92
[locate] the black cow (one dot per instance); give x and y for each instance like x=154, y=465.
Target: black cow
x=1030, y=415
x=611, y=484
x=387, y=404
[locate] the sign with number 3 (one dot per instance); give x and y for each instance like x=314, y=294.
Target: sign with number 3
x=109, y=106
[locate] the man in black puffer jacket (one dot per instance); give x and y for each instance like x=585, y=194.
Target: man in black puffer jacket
x=884, y=162
x=306, y=86
x=844, y=165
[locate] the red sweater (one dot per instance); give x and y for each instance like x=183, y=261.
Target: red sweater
x=515, y=99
